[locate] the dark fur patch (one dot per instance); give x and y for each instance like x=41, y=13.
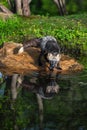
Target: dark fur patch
x=34, y=42
x=52, y=47
x=47, y=45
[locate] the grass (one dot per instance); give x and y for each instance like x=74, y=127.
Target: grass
x=69, y=30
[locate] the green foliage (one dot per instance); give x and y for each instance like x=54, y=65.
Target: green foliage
x=48, y=7
x=4, y=2
x=69, y=30
x=43, y=7
x=72, y=6
x=76, y=6
x=8, y=29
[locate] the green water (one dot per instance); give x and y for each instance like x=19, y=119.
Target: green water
x=44, y=102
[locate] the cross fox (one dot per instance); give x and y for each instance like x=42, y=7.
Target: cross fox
x=49, y=49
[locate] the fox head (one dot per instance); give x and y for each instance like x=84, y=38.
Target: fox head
x=53, y=59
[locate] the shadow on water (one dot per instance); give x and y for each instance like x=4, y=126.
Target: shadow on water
x=43, y=102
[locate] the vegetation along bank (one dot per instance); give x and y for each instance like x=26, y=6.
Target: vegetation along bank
x=70, y=31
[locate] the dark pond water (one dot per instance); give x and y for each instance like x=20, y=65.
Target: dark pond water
x=44, y=102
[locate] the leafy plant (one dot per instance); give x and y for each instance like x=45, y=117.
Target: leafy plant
x=69, y=30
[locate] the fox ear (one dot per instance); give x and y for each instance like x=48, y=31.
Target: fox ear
x=35, y=40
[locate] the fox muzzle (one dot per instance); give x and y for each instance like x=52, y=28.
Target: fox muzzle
x=53, y=64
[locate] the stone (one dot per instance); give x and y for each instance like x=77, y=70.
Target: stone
x=26, y=63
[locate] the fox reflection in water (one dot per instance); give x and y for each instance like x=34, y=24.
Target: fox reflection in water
x=46, y=88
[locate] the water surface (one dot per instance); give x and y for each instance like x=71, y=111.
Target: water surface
x=44, y=102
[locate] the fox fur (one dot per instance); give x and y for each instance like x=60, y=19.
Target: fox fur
x=49, y=49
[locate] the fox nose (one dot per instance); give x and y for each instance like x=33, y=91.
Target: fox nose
x=52, y=65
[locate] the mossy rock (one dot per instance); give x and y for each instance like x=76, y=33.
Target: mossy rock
x=26, y=63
